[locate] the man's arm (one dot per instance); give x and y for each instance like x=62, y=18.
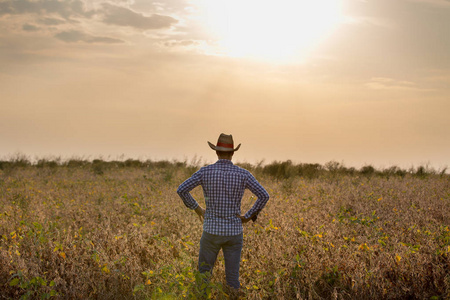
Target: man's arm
x=262, y=197
x=187, y=186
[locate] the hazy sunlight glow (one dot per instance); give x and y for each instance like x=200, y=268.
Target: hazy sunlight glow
x=271, y=29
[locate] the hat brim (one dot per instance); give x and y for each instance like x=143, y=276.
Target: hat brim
x=216, y=148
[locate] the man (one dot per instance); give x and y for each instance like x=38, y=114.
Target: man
x=223, y=186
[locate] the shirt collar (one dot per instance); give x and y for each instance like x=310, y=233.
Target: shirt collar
x=224, y=161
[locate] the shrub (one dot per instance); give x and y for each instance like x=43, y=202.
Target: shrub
x=45, y=163
x=76, y=163
x=332, y=166
x=20, y=160
x=5, y=164
x=393, y=171
x=424, y=171
x=309, y=170
x=280, y=170
x=367, y=170
x=443, y=172
x=133, y=163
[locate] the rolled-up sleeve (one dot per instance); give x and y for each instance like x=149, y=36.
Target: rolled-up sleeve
x=261, y=194
x=187, y=186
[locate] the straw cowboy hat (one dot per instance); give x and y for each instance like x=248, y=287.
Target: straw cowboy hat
x=224, y=143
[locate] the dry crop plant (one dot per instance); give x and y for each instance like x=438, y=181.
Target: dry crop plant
x=103, y=232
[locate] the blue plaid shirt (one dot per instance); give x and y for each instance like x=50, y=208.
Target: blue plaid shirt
x=223, y=186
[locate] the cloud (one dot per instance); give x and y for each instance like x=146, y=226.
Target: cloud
x=38, y=15
x=29, y=27
x=445, y=3
x=73, y=36
x=51, y=21
x=383, y=83
x=180, y=43
x=193, y=46
x=56, y=12
x=65, y=9
x=122, y=16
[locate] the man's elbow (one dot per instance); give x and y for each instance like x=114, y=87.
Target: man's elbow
x=266, y=197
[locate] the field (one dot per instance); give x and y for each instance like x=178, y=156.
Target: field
x=98, y=230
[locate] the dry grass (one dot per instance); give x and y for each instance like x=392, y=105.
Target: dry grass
x=78, y=232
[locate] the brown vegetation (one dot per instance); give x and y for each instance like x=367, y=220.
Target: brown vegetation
x=118, y=230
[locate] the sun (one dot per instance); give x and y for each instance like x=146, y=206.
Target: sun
x=270, y=29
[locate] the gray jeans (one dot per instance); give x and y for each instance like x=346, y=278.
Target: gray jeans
x=231, y=246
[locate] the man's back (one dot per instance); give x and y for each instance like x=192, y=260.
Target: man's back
x=223, y=186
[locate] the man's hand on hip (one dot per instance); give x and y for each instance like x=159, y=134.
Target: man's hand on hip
x=200, y=212
x=243, y=219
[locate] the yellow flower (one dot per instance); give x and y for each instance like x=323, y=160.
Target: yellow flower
x=364, y=247
x=105, y=269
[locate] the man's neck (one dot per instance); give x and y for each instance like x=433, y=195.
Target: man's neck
x=223, y=158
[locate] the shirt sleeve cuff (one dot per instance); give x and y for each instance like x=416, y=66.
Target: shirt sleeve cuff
x=248, y=215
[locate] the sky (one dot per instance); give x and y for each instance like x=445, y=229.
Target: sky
x=353, y=81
